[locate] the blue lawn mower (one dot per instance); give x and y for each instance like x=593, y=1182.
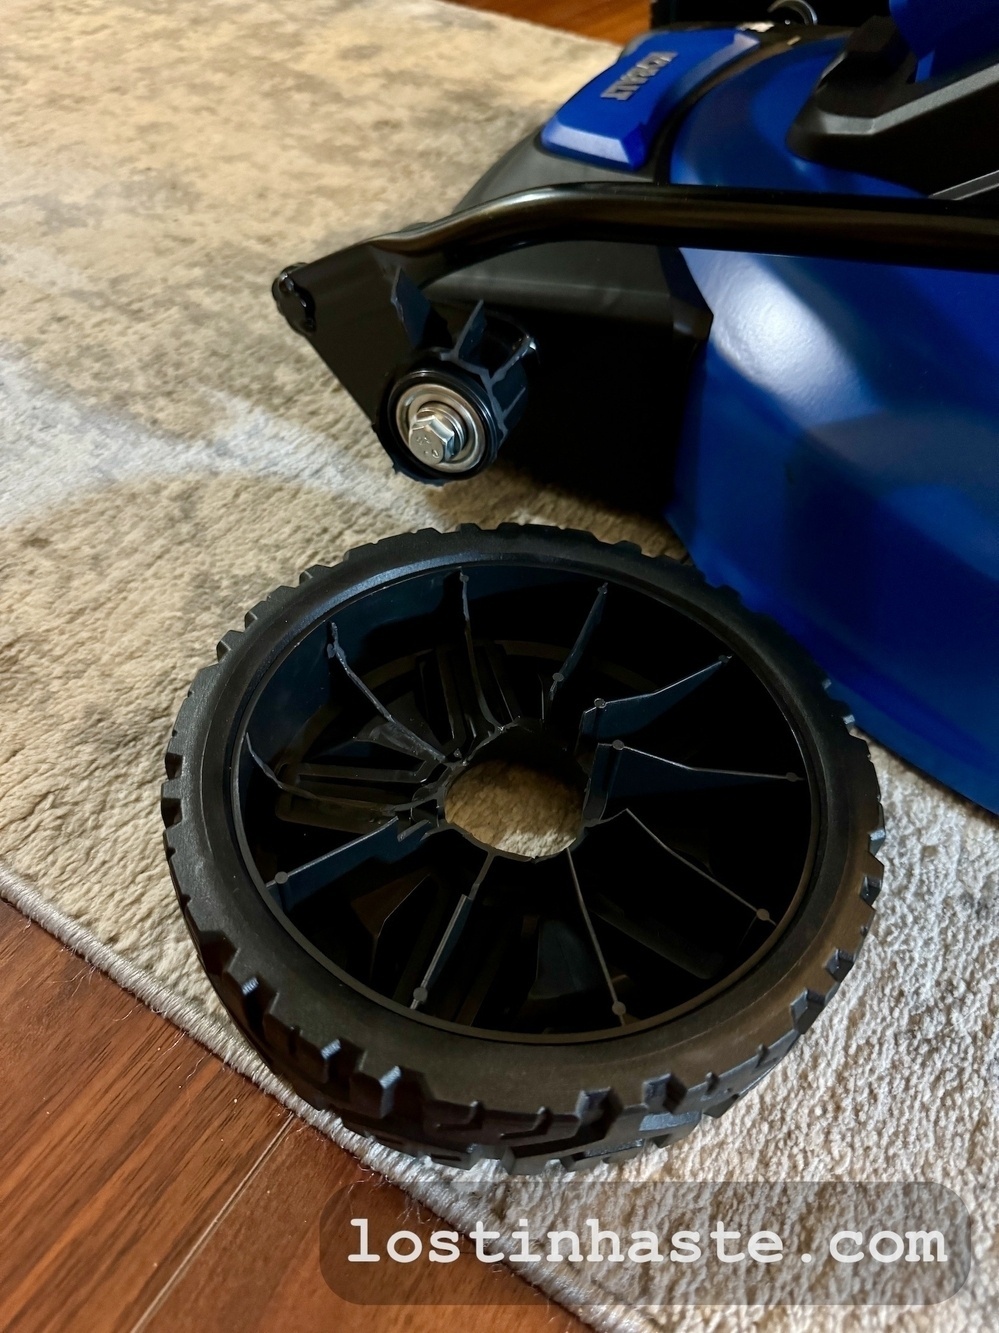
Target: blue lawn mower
x=747, y=278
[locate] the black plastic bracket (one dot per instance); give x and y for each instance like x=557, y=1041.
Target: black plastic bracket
x=868, y=115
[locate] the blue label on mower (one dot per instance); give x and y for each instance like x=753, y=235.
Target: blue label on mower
x=615, y=119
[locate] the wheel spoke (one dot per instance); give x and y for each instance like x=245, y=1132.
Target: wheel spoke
x=491, y=966
x=579, y=648
x=441, y=686
x=388, y=844
x=495, y=663
x=659, y=938
x=391, y=731
x=383, y=787
x=450, y=938
x=463, y=684
x=623, y=717
x=337, y=802
x=761, y=913
x=523, y=959
x=620, y=773
x=403, y=910
x=618, y=1008
x=646, y=910
x=565, y=970
x=481, y=701
x=335, y=816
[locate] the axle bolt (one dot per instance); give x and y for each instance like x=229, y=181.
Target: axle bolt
x=436, y=434
x=441, y=426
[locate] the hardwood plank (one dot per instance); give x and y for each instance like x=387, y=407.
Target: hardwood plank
x=259, y=1269
x=12, y=924
x=119, y=1137
x=612, y=20
x=145, y=1184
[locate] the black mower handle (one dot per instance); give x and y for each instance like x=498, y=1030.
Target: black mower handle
x=923, y=233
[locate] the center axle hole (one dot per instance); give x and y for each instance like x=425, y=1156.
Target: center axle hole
x=515, y=808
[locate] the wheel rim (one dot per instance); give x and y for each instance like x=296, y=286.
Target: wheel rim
x=698, y=819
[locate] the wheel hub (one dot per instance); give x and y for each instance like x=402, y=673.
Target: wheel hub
x=694, y=841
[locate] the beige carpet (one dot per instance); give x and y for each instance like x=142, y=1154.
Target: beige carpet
x=170, y=452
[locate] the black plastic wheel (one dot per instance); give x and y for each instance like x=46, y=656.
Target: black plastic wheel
x=450, y=998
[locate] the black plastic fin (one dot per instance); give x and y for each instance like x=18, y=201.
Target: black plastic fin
x=618, y=1008
x=473, y=664
x=582, y=642
x=392, y=732
x=415, y=312
x=451, y=936
x=469, y=340
x=761, y=913
x=658, y=938
x=387, y=844
x=620, y=773
x=623, y=717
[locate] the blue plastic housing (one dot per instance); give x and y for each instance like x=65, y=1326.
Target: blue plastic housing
x=839, y=462
x=614, y=120
x=946, y=34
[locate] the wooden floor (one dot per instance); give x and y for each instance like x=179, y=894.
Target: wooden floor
x=146, y=1186
x=614, y=22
